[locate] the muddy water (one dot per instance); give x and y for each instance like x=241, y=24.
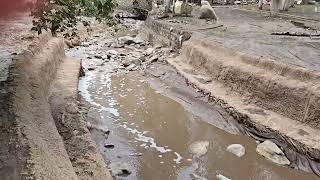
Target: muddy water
x=152, y=134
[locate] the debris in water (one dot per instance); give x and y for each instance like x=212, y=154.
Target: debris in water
x=272, y=152
x=109, y=146
x=120, y=169
x=199, y=148
x=222, y=177
x=236, y=149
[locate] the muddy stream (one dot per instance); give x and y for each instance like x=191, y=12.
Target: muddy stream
x=154, y=124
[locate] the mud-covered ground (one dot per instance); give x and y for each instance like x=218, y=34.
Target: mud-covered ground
x=250, y=32
x=146, y=121
x=15, y=36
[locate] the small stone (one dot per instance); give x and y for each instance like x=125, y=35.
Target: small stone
x=139, y=41
x=127, y=40
x=149, y=51
x=85, y=44
x=120, y=169
x=153, y=59
x=272, y=152
x=131, y=67
x=136, y=154
x=199, y=148
x=72, y=108
x=112, y=52
x=236, y=149
x=109, y=146
x=222, y=177
x=98, y=56
x=207, y=12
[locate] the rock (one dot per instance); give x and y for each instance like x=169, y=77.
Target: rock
x=119, y=169
x=153, y=59
x=109, y=146
x=142, y=59
x=272, y=152
x=131, y=67
x=98, y=56
x=199, y=148
x=72, y=108
x=85, y=44
x=236, y=149
x=139, y=41
x=222, y=177
x=112, y=52
x=92, y=67
x=149, y=51
x=180, y=8
x=206, y=11
x=136, y=154
x=127, y=40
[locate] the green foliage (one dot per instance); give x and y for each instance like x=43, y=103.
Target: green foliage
x=58, y=16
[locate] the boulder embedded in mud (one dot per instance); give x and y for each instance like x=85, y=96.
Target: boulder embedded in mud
x=127, y=40
x=132, y=67
x=153, y=59
x=149, y=51
x=222, y=177
x=119, y=169
x=182, y=8
x=272, y=152
x=236, y=149
x=199, y=148
x=112, y=52
x=207, y=12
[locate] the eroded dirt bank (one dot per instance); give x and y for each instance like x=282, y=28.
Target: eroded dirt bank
x=145, y=119
x=38, y=88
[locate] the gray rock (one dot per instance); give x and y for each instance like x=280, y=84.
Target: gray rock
x=119, y=169
x=207, y=12
x=272, y=152
x=85, y=44
x=131, y=67
x=153, y=59
x=98, y=56
x=92, y=67
x=222, y=177
x=127, y=40
x=149, y=51
x=236, y=149
x=72, y=108
x=109, y=146
x=112, y=52
x=139, y=41
x=199, y=148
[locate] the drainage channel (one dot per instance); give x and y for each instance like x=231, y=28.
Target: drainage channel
x=154, y=135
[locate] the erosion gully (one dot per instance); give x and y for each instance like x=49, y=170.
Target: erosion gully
x=153, y=120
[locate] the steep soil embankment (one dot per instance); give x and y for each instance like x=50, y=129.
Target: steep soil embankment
x=31, y=146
